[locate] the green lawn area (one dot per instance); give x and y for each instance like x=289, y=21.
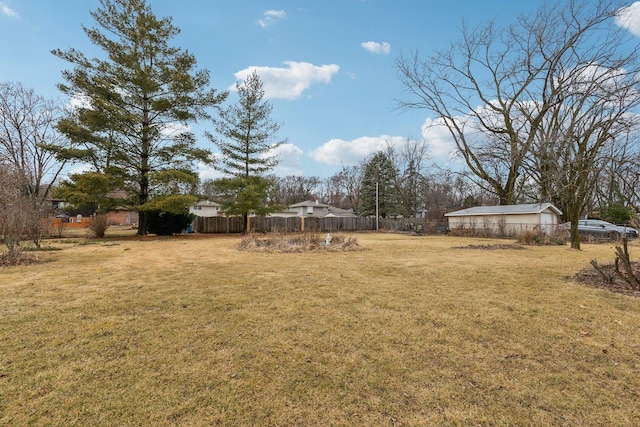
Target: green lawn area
x=415, y=330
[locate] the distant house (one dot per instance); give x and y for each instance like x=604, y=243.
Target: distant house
x=206, y=208
x=506, y=219
x=121, y=215
x=117, y=215
x=311, y=208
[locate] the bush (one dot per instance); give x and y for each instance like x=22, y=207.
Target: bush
x=537, y=237
x=617, y=213
x=305, y=242
x=165, y=223
x=98, y=224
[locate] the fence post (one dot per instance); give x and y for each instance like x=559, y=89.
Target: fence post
x=302, y=224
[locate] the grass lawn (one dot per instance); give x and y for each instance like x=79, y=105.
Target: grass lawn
x=413, y=331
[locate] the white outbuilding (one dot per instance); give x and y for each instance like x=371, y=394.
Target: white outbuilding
x=506, y=220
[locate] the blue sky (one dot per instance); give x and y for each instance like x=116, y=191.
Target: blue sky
x=328, y=65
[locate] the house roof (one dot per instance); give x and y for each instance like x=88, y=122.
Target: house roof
x=308, y=203
x=532, y=208
x=207, y=203
x=333, y=211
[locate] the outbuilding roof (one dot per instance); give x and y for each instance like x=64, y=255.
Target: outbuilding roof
x=532, y=208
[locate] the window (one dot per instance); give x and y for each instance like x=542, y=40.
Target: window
x=310, y=210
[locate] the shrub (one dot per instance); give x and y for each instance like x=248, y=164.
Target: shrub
x=537, y=237
x=617, y=213
x=305, y=242
x=165, y=223
x=98, y=224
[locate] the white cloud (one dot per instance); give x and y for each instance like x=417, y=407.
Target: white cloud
x=8, y=11
x=340, y=152
x=438, y=138
x=271, y=16
x=290, y=160
x=289, y=82
x=206, y=171
x=629, y=18
x=77, y=168
x=78, y=100
x=383, y=48
x=169, y=130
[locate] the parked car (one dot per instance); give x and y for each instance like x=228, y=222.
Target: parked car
x=601, y=229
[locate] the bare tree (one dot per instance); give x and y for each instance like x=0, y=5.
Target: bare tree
x=15, y=208
x=345, y=186
x=28, y=145
x=490, y=67
x=27, y=134
x=292, y=189
x=410, y=161
x=558, y=87
x=619, y=183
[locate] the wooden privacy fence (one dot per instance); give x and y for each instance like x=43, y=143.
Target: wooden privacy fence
x=220, y=224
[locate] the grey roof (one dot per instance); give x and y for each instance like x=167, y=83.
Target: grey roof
x=341, y=212
x=533, y=208
x=207, y=203
x=308, y=203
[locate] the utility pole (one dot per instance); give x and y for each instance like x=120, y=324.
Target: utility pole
x=377, y=216
x=377, y=197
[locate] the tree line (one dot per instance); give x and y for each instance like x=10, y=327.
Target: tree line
x=541, y=110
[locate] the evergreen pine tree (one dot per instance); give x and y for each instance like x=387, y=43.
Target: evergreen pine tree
x=245, y=138
x=379, y=169
x=135, y=105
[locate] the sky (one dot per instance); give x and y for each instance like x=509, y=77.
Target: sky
x=328, y=66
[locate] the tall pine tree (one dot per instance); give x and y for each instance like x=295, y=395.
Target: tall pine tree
x=381, y=171
x=246, y=138
x=136, y=103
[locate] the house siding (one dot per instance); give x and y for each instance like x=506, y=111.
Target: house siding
x=123, y=217
x=506, y=224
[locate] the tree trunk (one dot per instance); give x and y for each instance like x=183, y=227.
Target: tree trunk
x=574, y=217
x=143, y=195
x=143, y=223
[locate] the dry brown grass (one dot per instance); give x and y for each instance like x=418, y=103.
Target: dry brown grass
x=414, y=331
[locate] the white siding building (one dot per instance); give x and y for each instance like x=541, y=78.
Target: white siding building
x=206, y=208
x=506, y=219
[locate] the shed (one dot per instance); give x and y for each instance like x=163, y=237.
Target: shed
x=506, y=220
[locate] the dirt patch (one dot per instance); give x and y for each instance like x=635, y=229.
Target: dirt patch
x=590, y=277
x=491, y=247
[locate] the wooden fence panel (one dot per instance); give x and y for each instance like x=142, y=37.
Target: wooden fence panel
x=275, y=224
x=218, y=224
x=315, y=225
